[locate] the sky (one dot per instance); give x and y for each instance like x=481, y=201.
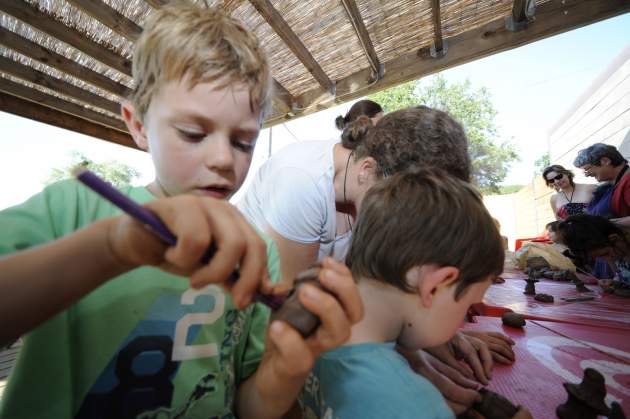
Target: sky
x=531, y=87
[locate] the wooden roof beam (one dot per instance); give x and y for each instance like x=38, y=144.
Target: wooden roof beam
x=20, y=107
x=27, y=73
x=109, y=17
x=38, y=53
x=47, y=24
x=25, y=92
x=552, y=18
x=282, y=28
x=438, y=49
x=354, y=15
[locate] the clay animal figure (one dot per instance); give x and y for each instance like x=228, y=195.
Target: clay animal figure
x=512, y=319
x=586, y=400
x=293, y=312
x=494, y=406
x=530, y=288
x=544, y=298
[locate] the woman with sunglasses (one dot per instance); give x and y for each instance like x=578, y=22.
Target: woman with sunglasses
x=570, y=198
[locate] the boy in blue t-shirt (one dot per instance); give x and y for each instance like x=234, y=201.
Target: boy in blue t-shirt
x=423, y=250
x=110, y=334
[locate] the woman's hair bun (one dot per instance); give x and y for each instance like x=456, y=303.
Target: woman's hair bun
x=355, y=132
x=340, y=122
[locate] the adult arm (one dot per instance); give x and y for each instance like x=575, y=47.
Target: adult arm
x=552, y=202
x=294, y=256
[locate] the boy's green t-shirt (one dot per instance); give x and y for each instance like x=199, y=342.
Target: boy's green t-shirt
x=142, y=345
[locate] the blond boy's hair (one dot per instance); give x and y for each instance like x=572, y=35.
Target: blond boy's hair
x=202, y=44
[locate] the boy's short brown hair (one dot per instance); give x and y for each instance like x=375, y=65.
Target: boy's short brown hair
x=424, y=216
x=203, y=44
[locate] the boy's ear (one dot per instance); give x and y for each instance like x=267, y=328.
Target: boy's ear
x=605, y=161
x=367, y=169
x=431, y=279
x=134, y=125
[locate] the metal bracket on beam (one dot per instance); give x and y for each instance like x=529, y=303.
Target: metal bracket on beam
x=439, y=53
x=376, y=76
x=513, y=25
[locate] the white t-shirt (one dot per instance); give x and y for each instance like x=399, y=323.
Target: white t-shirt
x=293, y=194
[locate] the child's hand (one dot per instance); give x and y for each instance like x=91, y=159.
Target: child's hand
x=196, y=222
x=459, y=391
x=500, y=345
x=473, y=351
x=288, y=357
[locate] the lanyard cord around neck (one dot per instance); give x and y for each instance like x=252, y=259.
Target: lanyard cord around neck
x=567, y=198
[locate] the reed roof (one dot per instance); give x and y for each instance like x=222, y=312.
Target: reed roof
x=68, y=62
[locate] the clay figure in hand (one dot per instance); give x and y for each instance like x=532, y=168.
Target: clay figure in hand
x=292, y=311
x=586, y=400
x=512, y=319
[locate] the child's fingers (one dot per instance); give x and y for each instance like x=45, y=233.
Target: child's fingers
x=502, y=337
x=341, y=284
x=453, y=374
x=296, y=357
x=504, y=350
x=253, y=265
x=335, y=327
x=501, y=359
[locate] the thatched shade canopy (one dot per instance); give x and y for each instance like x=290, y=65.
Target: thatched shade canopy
x=68, y=63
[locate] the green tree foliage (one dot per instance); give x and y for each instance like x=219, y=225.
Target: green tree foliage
x=491, y=157
x=116, y=173
x=542, y=162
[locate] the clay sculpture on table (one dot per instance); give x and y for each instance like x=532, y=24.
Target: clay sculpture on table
x=586, y=400
x=544, y=298
x=512, y=319
x=530, y=288
x=494, y=406
x=293, y=312
x=579, y=285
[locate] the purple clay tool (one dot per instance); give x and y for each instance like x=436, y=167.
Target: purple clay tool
x=157, y=226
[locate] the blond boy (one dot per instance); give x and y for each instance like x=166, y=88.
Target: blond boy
x=115, y=338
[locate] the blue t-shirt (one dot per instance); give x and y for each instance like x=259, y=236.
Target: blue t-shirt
x=369, y=380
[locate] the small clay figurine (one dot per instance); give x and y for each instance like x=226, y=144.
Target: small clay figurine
x=544, y=298
x=530, y=288
x=494, y=406
x=586, y=400
x=579, y=285
x=616, y=412
x=512, y=319
x=293, y=312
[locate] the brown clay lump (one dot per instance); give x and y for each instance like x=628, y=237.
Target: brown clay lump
x=513, y=319
x=293, y=312
x=494, y=406
x=544, y=298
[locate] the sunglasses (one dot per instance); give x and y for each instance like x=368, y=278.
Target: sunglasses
x=556, y=177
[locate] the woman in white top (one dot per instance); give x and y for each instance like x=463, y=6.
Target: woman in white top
x=297, y=194
x=570, y=198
